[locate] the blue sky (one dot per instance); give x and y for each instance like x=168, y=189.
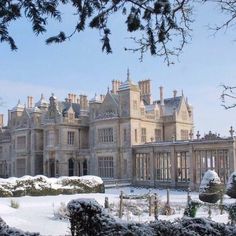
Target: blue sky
x=79, y=66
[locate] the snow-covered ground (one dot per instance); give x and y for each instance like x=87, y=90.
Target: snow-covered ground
x=36, y=214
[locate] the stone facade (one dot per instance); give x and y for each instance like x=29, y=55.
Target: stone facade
x=116, y=136
x=49, y=138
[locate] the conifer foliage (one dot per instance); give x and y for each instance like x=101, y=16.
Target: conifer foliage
x=161, y=27
x=231, y=186
x=158, y=22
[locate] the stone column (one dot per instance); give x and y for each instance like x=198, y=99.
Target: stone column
x=232, y=157
x=151, y=168
x=32, y=148
x=192, y=167
x=173, y=166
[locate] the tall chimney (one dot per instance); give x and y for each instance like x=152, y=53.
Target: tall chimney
x=174, y=93
x=145, y=90
x=29, y=102
x=1, y=120
x=69, y=97
x=118, y=83
x=81, y=101
x=115, y=86
x=161, y=96
x=74, y=98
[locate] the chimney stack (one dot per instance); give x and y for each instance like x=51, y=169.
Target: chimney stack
x=174, y=93
x=1, y=120
x=115, y=86
x=83, y=102
x=145, y=90
x=161, y=96
x=30, y=102
x=74, y=98
x=69, y=97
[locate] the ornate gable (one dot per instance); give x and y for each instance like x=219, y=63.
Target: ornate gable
x=109, y=107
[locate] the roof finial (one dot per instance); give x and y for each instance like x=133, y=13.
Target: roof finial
x=128, y=75
x=108, y=89
x=182, y=92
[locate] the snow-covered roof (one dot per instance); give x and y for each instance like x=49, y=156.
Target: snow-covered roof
x=18, y=107
x=42, y=102
x=127, y=85
x=170, y=104
x=34, y=109
x=95, y=99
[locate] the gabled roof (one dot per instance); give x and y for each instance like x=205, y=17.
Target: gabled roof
x=115, y=97
x=65, y=106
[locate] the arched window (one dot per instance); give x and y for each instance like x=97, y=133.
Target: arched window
x=71, y=167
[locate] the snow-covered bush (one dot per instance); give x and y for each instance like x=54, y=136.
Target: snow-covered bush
x=14, y=204
x=41, y=185
x=211, y=188
x=61, y=213
x=87, y=217
x=5, y=230
x=231, y=186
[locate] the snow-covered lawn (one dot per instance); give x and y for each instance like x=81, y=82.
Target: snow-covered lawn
x=36, y=214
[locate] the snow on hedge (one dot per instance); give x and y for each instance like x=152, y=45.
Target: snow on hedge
x=5, y=230
x=41, y=185
x=87, y=217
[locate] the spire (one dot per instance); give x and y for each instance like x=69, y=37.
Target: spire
x=182, y=92
x=128, y=75
x=108, y=89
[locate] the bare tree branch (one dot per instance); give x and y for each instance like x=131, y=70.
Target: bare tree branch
x=228, y=96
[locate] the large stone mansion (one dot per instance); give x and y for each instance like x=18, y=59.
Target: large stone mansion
x=123, y=135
